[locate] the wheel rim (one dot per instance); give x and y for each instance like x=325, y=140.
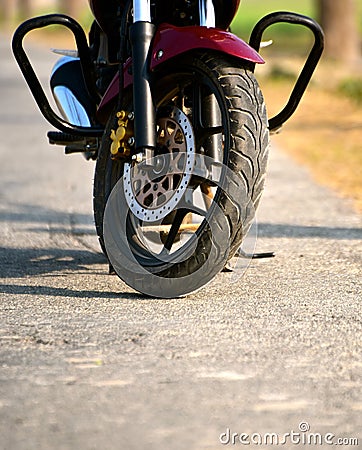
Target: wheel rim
x=152, y=193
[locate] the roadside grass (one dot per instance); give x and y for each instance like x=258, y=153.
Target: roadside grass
x=351, y=87
x=325, y=134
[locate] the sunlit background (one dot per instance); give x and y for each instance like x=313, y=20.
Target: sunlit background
x=319, y=135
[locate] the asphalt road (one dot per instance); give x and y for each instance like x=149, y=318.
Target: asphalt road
x=87, y=363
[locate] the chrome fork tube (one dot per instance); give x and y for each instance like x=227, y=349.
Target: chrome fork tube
x=141, y=11
x=207, y=13
x=141, y=35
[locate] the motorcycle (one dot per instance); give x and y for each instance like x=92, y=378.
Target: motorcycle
x=164, y=98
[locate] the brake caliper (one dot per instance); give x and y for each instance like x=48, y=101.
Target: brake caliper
x=122, y=138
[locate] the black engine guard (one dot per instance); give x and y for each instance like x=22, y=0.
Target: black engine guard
x=310, y=65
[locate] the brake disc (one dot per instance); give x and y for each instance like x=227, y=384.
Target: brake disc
x=153, y=192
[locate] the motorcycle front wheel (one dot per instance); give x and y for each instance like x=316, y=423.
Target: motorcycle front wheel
x=169, y=225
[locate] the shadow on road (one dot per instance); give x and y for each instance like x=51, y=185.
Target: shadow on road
x=49, y=291
x=20, y=213
x=18, y=263
x=26, y=263
x=300, y=232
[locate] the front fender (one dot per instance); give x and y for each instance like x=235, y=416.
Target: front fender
x=173, y=41
x=170, y=42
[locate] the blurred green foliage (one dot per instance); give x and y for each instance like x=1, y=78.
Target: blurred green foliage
x=288, y=39
x=352, y=88
x=250, y=11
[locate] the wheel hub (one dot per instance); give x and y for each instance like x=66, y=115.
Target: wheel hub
x=154, y=190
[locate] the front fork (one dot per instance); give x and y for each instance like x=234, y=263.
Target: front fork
x=141, y=35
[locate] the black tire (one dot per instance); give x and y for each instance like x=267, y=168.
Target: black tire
x=245, y=142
